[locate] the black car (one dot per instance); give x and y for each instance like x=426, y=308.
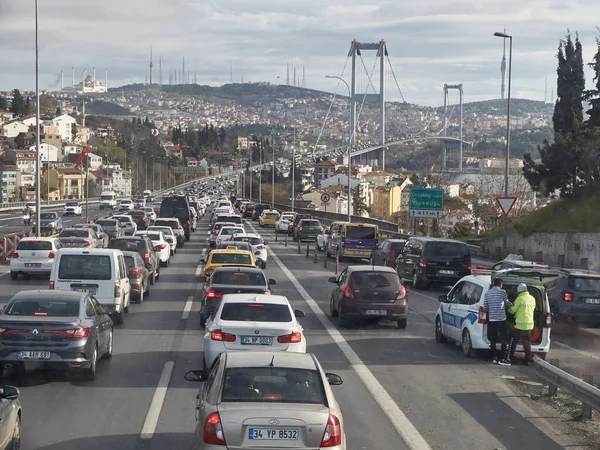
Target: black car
x=386, y=252
x=297, y=219
x=230, y=280
x=575, y=297
x=177, y=206
x=140, y=218
x=249, y=210
x=258, y=209
x=67, y=331
x=112, y=227
x=143, y=245
x=427, y=260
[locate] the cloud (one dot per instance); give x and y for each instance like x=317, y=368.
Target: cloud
x=429, y=42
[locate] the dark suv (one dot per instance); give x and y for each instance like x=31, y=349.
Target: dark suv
x=297, y=219
x=140, y=218
x=575, y=297
x=387, y=251
x=177, y=206
x=368, y=292
x=258, y=209
x=142, y=245
x=427, y=260
x=307, y=230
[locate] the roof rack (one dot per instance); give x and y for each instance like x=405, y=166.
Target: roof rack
x=528, y=273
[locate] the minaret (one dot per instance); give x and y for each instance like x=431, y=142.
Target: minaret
x=106, y=79
x=287, y=78
x=151, y=65
x=303, y=78
x=503, y=68
x=294, y=76
x=94, y=75
x=160, y=81
x=73, y=77
x=62, y=80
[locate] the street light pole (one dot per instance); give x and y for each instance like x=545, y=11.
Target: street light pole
x=87, y=186
x=350, y=138
x=294, y=169
x=506, y=165
x=260, y=162
x=38, y=162
x=273, y=171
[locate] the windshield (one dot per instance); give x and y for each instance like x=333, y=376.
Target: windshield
x=132, y=245
x=310, y=223
x=106, y=197
x=446, y=250
x=231, y=258
x=273, y=385
x=231, y=231
x=355, y=232
x=370, y=280
x=34, y=245
x=85, y=267
x=43, y=307
x=107, y=223
x=238, y=245
x=584, y=284
x=153, y=236
x=256, y=312
x=250, y=240
x=167, y=223
x=165, y=230
x=238, y=278
x=46, y=216
x=74, y=233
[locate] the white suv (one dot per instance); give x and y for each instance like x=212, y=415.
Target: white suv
x=72, y=208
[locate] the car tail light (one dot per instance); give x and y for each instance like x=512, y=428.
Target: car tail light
x=161, y=246
x=14, y=255
x=187, y=222
x=213, y=430
x=333, y=432
x=177, y=227
x=321, y=229
x=376, y=242
x=51, y=285
x=548, y=320
x=260, y=247
x=143, y=218
x=51, y=255
x=423, y=264
x=136, y=273
x=482, y=316
x=392, y=254
x=292, y=338
x=568, y=296
x=147, y=255
x=402, y=295
x=88, y=243
x=5, y=331
x=218, y=335
x=300, y=229
x=469, y=266
x=213, y=294
x=348, y=292
x=117, y=292
x=207, y=272
x=76, y=333
x=115, y=229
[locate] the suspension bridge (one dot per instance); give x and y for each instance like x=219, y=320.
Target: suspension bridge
x=379, y=116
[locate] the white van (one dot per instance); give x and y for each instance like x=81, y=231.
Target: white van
x=108, y=199
x=99, y=272
x=147, y=193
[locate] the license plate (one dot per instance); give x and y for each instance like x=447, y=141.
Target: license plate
x=257, y=340
x=592, y=301
x=26, y=354
x=86, y=290
x=33, y=265
x=376, y=312
x=446, y=272
x=271, y=434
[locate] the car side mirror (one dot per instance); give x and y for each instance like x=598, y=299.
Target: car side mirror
x=9, y=393
x=265, y=243
x=443, y=298
x=197, y=376
x=272, y=282
x=257, y=253
x=334, y=379
x=202, y=260
x=157, y=248
x=332, y=280
x=298, y=313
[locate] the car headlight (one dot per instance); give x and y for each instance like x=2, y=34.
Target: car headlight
x=51, y=224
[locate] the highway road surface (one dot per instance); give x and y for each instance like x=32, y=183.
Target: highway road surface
x=401, y=389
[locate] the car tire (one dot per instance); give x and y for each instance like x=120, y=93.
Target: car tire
x=416, y=281
x=146, y=293
x=109, y=350
x=204, y=366
x=126, y=308
x=439, y=334
x=14, y=275
x=401, y=323
x=152, y=278
x=466, y=344
x=118, y=318
x=343, y=321
x=15, y=441
x=203, y=319
x=332, y=311
x=263, y=265
x=90, y=373
x=187, y=238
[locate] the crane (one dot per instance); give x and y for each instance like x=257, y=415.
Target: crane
x=84, y=152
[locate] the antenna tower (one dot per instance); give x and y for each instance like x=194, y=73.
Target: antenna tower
x=303, y=78
x=287, y=78
x=160, y=80
x=183, y=71
x=294, y=76
x=151, y=65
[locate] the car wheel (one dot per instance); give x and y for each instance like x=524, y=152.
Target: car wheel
x=343, y=321
x=401, y=323
x=332, y=311
x=152, y=278
x=187, y=238
x=203, y=319
x=146, y=292
x=90, y=373
x=416, y=281
x=14, y=275
x=126, y=308
x=263, y=265
x=109, y=350
x=15, y=441
x=204, y=366
x=439, y=335
x=466, y=344
x=119, y=318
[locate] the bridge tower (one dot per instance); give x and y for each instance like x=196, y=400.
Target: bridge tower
x=355, y=50
x=458, y=87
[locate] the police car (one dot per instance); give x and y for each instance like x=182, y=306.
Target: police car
x=462, y=318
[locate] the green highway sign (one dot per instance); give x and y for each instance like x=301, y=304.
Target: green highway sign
x=426, y=203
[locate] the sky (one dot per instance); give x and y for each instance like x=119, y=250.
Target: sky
x=430, y=42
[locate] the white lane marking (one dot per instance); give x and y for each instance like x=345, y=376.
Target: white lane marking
x=187, y=308
x=198, y=270
x=157, y=401
x=403, y=426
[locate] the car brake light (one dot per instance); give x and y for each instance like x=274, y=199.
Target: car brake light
x=392, y=254
x=402, y=295
x=213, y=294
x=187, y=222
x=267, y=292
x=213, y=430
x=321, y=229
x=299, y=228
x=51, y=285
x=136, y=273
x=423, y=263
x=5, y=331
x=14, y=255
x=482, y=316
x=115, y=229
x=76, y=333
x=88, y=243
x=177, y=227
x=348, y=292
x=260, y=247
x=292, y=338
x=469, y=266
x=147, y=255
x=161, y=246
x=548, y=320
x=117, y=292
x=218, y=335
x=568, y=296
x=143, y=218
x=333, y=432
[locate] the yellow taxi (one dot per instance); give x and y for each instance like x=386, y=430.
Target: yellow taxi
x=268, y=217
x=227, y=257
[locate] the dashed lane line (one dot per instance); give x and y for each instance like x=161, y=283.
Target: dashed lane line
x=160, y=393
x=187, y=308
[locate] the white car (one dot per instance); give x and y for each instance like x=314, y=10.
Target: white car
x=72, y=208
x=126, y=205
x=150, y=211
x=247, y=322
x=283, y=222
x=33, y=256
x=227, y=233
x=127, y=223
x=259, y=246
x=161, y=246
x=322, y=239
x=168, y=234
x=31, y=206
x=175, y=225
x=193, y=219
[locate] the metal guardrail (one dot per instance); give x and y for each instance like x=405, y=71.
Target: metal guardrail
x=9, y=243
x=583, y=390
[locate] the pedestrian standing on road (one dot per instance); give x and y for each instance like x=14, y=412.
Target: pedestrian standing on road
x=495, y=302
x=523, y=310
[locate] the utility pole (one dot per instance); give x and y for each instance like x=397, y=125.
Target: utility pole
x=38, y=162
x=294, y=169
x=273, y=171
x=87, y=187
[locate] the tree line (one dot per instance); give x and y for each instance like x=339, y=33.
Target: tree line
x=19, y=105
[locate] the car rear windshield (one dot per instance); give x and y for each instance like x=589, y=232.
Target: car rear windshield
x=34, y=245
x=250, y=240
x=356, y=232
x=46, y=216
x=106, y=197
x=231, y=231
x=231, y=258
x=84, y=267
x=107, y=223
x=310, y=223
x=129, y=262
x=238, y=245
x=238, y=278
x=228, y=218
x=584, y=284
x=272, y=214
x=72, y=204
x=43, y=307
x=273, y=385
x=256, y=312
x=132, y=245
x=446, y=250
x=153, y=236
x=137, y=213
x=74, y=233
x=398, y=246
x=123, y=219
x=166, y=223
x=369, y=280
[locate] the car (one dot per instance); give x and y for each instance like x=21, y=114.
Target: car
x=248, y=210
x=297, y=219
x=142, y=245
x=368, y=293
x=307, y=230
x=268, y=218
x=220, y=258
x=230, y=245
x=161, y=245
x=141, y=219
x=72, y=208
x=386, y=252
x=127, y=223
x=259, y=246
x=258, y=209
x=80, y=237
x=71, y=332
x=102, y=236
x=226, y=280
x=126, y=205
x=249, y=322
x=177, y=206
x=10, y=418
x=32, y=206
x=139, y=203
x=193, y=218
x=283, y=222
x=575, y=297
x=112, y=228
x=50, y=222
x=150, y=212
x=175, y=225
x=265, y=399
x=226, y=233
x=322, y=239
x=214, y=232
x=462, y=318
x=33, y=256
x=168, y=235
x=138, y=274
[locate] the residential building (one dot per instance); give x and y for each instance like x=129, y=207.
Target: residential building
x=113, y=178
x=451, y=189
x=24, y=160
x=378, y=178
x=48, y=152
x=337, y=204
x=68, y=181
x=386, y=202
x=339, y=178
x=243, y=143
x=94, y=161
x=175, y=150
x=105, y=131
x=10, y=178
x=190, y=161
x=307, y=176
x=324, y=170
x=13, y=128
x=25, y=140
x=65, y=124
x=71, y=149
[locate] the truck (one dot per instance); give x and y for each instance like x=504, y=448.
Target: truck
x=108, y=199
